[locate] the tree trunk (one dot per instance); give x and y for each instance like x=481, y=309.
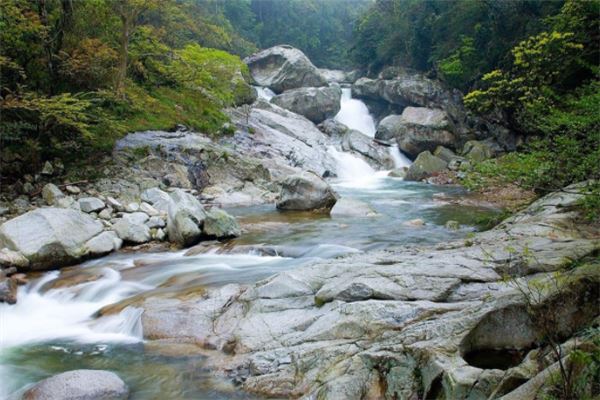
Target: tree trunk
x=123, y=55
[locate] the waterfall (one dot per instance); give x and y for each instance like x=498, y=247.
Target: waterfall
x=350, y=167
x=264, y=93
x=400, y=160
x=355, y=114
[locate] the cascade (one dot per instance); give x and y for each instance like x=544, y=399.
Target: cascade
x=355, y=114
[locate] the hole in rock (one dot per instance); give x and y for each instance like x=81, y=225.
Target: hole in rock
x=495, y=359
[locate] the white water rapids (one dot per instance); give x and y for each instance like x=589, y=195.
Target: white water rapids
x=355, y=114
x=352, y=170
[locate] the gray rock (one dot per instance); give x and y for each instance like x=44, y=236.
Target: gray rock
x=372, y=152
x=8, y=290
x=28, y=188
x=333, y=128
x=51, y=193
x=148, y=209
x=67, y=202
x=160, y=235
x=424, y=166
x=346, y=207
x=477, y=151
x=50, y=237
x=158, y=198
x=220, y=224
x=105, y=214
x=398, y=172
x=445, y=154
x=156, y=222
x=389, y=323
x=104, y=243
x=423, y=129
x=316, y=104
x=90, y=204
x=283, y=68
x=306, y=192
x=114, y=203
x=4, y=211
x=185, y=217
x=132, y=207
x=132, y=228
x=334, y=75
x=48, y=169
x=10, y=258
x=72, y=189
x=80, y=385
x=388, y=127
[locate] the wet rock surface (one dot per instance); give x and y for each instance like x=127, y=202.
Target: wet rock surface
x=316, y=104
x=306, y=192
x=79, y=385
x=282, y=68
x=409, y=318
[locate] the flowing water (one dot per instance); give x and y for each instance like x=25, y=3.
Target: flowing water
x=355, y=114
x=54, y=326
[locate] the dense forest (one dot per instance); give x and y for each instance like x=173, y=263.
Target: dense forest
x=78, y=74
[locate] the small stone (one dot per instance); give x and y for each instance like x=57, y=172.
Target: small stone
x=417, y=222
x=148, y=209
x=20, y=279
x=90, y=204
x=72, y=189
x=4, y=211
x=452, y=225
x=28, y=178
x=159, y=235
x=156, y=222
x=114, y=203
x=398, y=172
x=106, y=214
x=48, y=169
x=132, y=207
x=67, y=202
x=28, y=188
x=51, y=193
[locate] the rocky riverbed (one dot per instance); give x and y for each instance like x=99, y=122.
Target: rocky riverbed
x=343, y=282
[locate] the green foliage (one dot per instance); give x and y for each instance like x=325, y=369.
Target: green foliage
x=320, y=28
x=78, y=75
x=550, y=92
x=219, y=74
x=458, y=40
x=462, y=65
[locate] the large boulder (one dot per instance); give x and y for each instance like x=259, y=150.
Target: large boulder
x=283, y=68
x=422, y=129
x=50, y=237
x=306, y=192
x=478, y=151
x=185, y=218
x=387, y=128
x=315, y=103
x=374, y=153
x=219, y=224
x=132, y=228
x=82, y=384
x=425, y=165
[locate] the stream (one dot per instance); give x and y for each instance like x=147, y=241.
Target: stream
x=53, y=326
